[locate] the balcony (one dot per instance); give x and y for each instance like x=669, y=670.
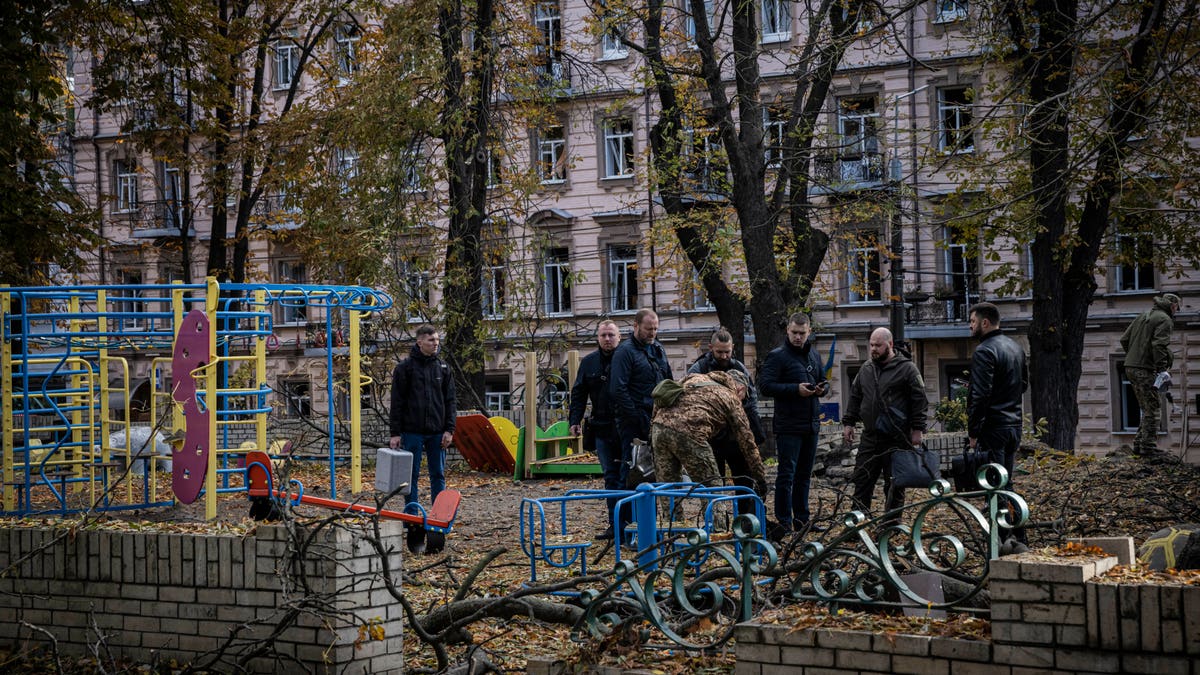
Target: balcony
x=841, y=174
x=276, y=211
x=553, y=73
x=160, y=218
x=943, y=308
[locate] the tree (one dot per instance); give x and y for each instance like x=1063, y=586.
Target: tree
x=43, y=222
x=434, y=192
x=714, y=89
x=1095, y=135
x=213, y=97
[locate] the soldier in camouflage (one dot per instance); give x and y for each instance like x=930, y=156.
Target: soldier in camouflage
x=681, y=433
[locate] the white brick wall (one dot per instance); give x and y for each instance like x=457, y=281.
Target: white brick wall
x=176, y=596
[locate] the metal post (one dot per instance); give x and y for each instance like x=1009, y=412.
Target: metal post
x=897, y=222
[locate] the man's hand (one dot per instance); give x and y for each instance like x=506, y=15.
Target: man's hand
x=916, y=437
x=807, y=389
x=447, y=439
x=576, y=429
x=397, y=443
x=847, y=435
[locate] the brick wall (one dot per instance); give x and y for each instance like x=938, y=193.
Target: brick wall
x=1048, y=616
x=157, y=596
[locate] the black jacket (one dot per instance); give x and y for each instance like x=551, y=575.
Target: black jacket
x=636, y=369
x=422, y=396
x=999, y=376
x=782, y=372
x=707, y=364
x=896, y=383
x=592, y=382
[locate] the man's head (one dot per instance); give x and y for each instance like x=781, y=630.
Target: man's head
x=985, y=318
x=721, y=347
x=607, y=336
x=880, y=345
x=428, y=339
x=741, y=383
x=1174, y=301
x=798, y=329
x=645, y=326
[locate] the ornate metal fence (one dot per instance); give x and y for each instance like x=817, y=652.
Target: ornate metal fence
x=702, y=587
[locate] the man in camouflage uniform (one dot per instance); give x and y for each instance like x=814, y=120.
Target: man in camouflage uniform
x=680, y=434
x=1147, y=345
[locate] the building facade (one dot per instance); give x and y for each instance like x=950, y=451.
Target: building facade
x=903, y=113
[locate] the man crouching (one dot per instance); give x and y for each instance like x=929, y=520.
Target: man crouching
x=680, y=434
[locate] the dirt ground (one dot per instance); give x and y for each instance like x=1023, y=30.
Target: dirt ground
x=1068, y=495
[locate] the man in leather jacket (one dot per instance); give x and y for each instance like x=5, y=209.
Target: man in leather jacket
x=999, y=378
x=591, y=382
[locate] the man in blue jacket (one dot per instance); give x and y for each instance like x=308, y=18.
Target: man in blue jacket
x=591, y=382
x=423, y=410
x=792, y=374
x=638, y=365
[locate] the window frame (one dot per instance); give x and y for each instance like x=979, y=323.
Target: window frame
x=780, y=17
x=612, y=44
x=622, y=282
x=128, y=300
x=775, y=123
x=556, y=285
x=418, y=291
x=617, y=135
x=491, y=289
x=126, y=190
x=296, y=404
x=551, y=153
x=346, y=37
x=859, y=159
x=285, y=58
x=962, y=113
x=1126, y=409
x=1136, y=266
x=864, y=273
x=949, y=11
x=291, y=271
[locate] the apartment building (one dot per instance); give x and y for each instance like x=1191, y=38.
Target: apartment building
x=902, y=111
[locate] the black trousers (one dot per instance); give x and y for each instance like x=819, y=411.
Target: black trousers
x=874, y=459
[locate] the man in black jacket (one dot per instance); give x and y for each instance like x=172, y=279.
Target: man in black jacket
x=423, y=410
x=887, y=384
x=999, y=378
x=792, y=374
x=638, y=365
x=591, y=382
x=720, y=359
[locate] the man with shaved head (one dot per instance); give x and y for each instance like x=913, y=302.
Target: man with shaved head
x=888, y=398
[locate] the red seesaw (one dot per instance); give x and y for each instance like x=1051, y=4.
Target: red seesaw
x=427, y=530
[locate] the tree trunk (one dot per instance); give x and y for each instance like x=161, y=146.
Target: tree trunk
x=466, y=163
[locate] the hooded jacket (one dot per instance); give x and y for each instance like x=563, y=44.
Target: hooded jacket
x=1147, y=341
x=422, y=396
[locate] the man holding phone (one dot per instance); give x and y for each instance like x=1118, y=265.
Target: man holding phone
x=792, y=374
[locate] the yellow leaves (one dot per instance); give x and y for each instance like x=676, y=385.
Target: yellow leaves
x=371, y=631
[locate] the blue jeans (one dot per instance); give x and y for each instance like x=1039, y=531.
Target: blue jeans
x=429, y=445
x=796, y=452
